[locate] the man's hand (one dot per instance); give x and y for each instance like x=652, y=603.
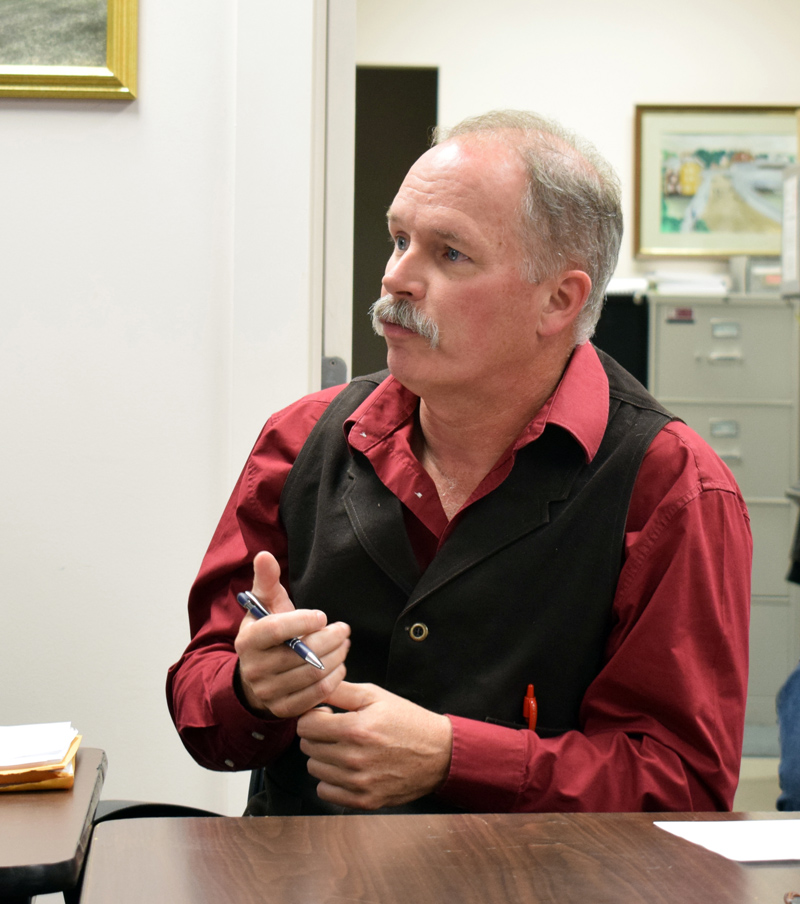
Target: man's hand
x=274, y=678
x=384, y=751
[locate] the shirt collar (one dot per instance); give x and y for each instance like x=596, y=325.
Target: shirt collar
x=579, y=405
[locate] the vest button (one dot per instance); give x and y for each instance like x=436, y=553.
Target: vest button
x=418, y=631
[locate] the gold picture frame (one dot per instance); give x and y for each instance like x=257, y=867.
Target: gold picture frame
x=727, y=202
x=117, y=80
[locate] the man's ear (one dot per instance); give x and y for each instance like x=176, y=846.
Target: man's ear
x=568, y=294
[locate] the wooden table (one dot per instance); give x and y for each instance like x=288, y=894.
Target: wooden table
x=44, y=835
x=463, y=859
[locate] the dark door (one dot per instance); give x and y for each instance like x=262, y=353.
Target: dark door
x=396, y=111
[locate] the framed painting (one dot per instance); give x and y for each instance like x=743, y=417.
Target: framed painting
x=709, y=180
x=68, y=48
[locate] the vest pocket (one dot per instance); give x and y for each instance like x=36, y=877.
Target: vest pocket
x=492, y=721
x=542, y=730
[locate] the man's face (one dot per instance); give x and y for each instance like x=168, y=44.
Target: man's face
x=456, y=262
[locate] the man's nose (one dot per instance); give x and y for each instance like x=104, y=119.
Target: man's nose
x=403, y=276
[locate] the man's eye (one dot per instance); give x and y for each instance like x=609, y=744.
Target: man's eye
x=400, y=242
x=453, y=255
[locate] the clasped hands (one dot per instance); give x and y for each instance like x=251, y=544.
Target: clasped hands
x=381, y=751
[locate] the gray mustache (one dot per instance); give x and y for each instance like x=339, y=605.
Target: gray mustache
x=390, y=310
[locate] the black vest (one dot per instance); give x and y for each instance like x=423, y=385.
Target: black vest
x=521, y=592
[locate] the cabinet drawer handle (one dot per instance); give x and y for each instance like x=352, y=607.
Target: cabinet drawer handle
x=719, y=426
x=731, y=458
x=725, y=357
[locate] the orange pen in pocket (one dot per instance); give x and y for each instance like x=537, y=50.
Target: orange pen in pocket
x=530, y=708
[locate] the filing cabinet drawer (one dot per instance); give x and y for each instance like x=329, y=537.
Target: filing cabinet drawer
x=771, y=644
x=773, y=654
x=755, y=441
x=772, y=524
x=722, y=351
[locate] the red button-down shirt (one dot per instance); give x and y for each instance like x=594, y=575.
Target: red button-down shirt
x=661, y=724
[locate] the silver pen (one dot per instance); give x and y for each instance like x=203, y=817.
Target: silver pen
x=250, y=601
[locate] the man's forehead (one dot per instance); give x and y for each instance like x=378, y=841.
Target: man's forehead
x=458, y=185
x=445, y=216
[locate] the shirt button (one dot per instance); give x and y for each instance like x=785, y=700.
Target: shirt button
x=257, y=736
x=418, y=631
x=230, y=764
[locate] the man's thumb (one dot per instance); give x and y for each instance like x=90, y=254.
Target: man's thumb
x=267, y=585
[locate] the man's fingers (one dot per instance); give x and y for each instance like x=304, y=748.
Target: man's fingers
x=296, y=696
x=383, y=751
x=351, y=696
x=274, y=677
x=276, y=629
x=322, y=724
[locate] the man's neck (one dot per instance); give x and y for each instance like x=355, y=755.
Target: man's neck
x=459, y=436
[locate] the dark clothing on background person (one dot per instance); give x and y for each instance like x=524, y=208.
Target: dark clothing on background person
x=788, y=705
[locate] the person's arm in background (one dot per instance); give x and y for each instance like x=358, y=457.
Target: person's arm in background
x=788, y=706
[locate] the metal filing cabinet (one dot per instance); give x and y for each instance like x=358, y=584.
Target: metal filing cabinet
x=729, y=368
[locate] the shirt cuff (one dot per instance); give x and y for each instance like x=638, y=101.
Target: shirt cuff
x=250, y=739
x=488, y=767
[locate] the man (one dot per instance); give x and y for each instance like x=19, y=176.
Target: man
x=508, y=508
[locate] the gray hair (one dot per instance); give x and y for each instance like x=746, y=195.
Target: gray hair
x=571, y=214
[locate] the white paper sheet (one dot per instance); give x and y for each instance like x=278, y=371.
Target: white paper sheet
x=34, y=745
x=744, y=840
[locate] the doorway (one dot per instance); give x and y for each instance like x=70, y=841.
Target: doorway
x=396, y=112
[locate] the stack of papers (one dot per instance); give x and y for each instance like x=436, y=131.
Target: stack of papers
x=38, y=757
x=691, y=283
x=631, y=285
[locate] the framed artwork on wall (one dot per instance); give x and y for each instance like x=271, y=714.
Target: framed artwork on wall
x=708, y=180
x=69, y=48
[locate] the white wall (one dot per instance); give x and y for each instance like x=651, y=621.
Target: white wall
x=588, y=64
x=154, y=267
